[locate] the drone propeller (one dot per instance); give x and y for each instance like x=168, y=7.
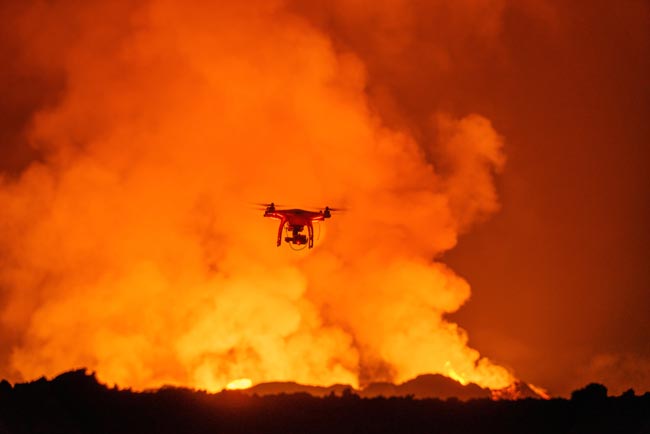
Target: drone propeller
x=264, y=206
x=331, y=209
x=327, y=211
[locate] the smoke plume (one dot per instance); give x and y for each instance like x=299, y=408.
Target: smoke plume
x=127, y=245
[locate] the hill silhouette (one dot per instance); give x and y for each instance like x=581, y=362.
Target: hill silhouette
x=75, y=402
x=427, y=386
x=423, y=386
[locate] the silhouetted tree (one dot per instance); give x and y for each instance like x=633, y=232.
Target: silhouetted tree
x=593, y=392
x=5, y=388
x=629, y=393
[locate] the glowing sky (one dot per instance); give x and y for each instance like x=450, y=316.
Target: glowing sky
x=519, y=130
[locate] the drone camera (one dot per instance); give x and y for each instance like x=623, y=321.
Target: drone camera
x=298, y=239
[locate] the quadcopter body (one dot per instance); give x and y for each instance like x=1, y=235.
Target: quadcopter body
x=295, y=221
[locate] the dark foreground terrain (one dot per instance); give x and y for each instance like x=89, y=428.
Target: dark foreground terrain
x=76, y=403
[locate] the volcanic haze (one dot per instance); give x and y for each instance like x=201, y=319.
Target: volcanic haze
x=138, y=133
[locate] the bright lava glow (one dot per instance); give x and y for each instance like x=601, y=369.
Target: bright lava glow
x=451, y=373
x=239, y=384
x=539, y=391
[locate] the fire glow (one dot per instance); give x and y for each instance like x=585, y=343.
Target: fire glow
x=239, y=384
x=129, y=249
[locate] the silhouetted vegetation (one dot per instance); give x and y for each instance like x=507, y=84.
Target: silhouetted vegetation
x=76, y=403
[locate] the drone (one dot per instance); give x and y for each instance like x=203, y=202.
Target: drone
x=294, y=221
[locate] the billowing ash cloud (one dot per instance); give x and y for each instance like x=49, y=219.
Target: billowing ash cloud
x=127, y=246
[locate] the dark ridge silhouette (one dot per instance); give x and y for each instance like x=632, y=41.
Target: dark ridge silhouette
x=591, y=393
x=423, y=386
x=427, y=386
x=76, y=402
x=278, y=387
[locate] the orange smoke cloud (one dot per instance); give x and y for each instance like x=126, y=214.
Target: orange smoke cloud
x=129, y=248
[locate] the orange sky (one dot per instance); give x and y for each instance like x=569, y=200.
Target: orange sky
x=560, y=286
x=407, y=109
